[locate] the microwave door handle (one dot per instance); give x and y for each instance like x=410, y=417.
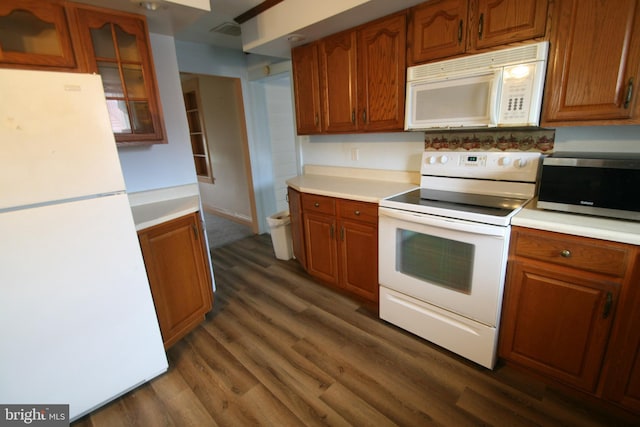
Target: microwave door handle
x=494, y=104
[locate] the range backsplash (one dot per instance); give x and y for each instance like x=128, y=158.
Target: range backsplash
x=541, y=140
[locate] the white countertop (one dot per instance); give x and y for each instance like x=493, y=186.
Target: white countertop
x=154, y=207
x=365, y=185
x=364, y=190
x=580, y=225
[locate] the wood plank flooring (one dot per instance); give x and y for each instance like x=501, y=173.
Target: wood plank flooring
x=279, y=349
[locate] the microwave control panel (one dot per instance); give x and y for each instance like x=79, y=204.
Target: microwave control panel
x=520, y=93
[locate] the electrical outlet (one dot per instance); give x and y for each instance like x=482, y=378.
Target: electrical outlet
x=355, y=154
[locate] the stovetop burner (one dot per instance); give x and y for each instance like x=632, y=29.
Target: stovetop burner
x=474, y=203
x=485, y=187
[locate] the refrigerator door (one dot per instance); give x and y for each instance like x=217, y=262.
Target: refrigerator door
x=77, y=320
x=56, y=139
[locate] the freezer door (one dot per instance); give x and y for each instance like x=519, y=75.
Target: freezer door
x=55, y=138
x=77, y=320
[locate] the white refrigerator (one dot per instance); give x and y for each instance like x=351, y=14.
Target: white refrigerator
x=77, y=320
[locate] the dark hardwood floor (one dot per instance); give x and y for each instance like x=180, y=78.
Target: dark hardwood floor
x=279, y=349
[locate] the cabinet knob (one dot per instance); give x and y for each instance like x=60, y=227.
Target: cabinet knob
x=357, y=212
x=565, y=253
x=316, y=204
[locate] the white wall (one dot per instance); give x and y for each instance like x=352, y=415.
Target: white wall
x=402, y=151
x=163, y=165
x=599, y=138
x=282, y=134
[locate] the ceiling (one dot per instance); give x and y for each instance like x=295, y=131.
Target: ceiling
x=269, y=34
x=222, y=14
x=184, y=22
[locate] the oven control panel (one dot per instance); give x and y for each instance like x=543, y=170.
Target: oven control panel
x=509, y=165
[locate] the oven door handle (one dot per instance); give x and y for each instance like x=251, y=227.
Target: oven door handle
x=445, y=223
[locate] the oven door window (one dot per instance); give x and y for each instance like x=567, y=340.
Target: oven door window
x=439, y=261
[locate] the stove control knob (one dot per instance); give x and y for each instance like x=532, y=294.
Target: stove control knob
x=505, y=161
x=444, y=159
x=431, y=160
x=520, y=163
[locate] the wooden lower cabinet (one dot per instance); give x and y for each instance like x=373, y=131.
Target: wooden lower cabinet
x=297, y=227
x=570, y=313
x=557, y=323
x=622, y=374
x=341, y=243
x=178, y=269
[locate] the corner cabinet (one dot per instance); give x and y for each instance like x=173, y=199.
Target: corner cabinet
x=57, y=35
x=443, y=28
x=297, y=227
x=567, y=312
x=35, y=34
x=594, y=64
x=341, y=243
x=175, y=257
x=116, y=46
x=353, y=81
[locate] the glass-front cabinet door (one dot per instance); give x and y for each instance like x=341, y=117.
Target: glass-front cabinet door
x=117, y=47
x=35, y=34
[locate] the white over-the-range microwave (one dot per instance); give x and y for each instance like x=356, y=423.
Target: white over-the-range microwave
x=495, y=89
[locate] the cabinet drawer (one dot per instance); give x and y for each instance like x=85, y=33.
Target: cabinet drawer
x=571, y=251
x=359, y=211
x=315, y=203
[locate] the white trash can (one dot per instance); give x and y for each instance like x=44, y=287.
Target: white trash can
x=280, y=225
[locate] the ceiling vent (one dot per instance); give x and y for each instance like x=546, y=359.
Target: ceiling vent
x=227, y=28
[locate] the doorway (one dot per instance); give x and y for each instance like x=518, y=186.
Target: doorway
x=215, y=110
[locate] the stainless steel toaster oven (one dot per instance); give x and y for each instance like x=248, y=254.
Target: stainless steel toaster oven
x=602, y=184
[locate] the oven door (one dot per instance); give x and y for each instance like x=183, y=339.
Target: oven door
x=456, y=265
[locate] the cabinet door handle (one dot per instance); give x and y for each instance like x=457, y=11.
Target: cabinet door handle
x=364, y=116
x=317, y=120
x=627, y=99
x=331, y=231
x=607, y=305
x=195, y=231
x=460, y=32
x=357, y=213
x=565, y=253
x=353, y=117
x=316, y=204
x=342, y=233
x=480, y=25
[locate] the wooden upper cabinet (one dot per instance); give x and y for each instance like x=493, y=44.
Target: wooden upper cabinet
x=35, y=34
x=443, y=28
x=382, y=74
x=338, y=82
x=437, y=29
x=116, y=46
x=306, y=88
x=360, y=82
x=505, y=21
x=594, y=64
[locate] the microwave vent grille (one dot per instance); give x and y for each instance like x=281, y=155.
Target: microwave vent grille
x=489, y=60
